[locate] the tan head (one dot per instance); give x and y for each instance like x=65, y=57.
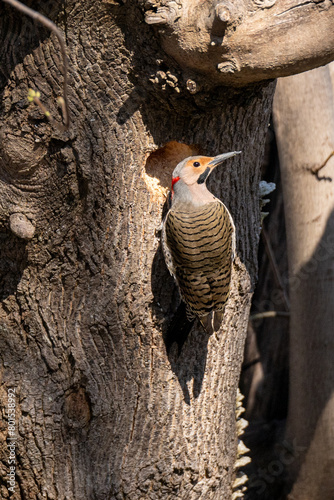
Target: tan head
x=190, y=175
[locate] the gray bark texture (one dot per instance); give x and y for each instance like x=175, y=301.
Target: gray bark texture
x=304, y=120
x=102, y=412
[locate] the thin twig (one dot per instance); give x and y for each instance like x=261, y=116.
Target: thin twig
x=274, y=267
x=250, y=364
x=269, y=314
x=315, y=171
x=52, y=27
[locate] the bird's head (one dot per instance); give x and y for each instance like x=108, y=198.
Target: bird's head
x=190, y=174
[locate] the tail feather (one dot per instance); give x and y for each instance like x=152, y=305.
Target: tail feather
x=206, y=322
x=217, y=319
x=211, y=322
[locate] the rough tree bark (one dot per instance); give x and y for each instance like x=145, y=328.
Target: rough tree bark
x=102, y=411
x=304, y=121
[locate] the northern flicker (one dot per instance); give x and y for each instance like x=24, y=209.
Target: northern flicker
x=198, y=240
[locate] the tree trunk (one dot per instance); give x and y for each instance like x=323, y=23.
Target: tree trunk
x=102, y=412
x=304, y=120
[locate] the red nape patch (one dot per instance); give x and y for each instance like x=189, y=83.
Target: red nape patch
x=174, y=181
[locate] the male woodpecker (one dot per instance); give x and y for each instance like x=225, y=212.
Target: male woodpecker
x=198, y=240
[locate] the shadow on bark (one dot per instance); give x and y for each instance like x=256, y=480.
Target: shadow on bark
x=190, y=364
x=13, y=260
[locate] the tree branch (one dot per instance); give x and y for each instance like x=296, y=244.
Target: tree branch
x=237, y=44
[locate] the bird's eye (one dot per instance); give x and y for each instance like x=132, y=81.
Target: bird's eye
x=196, y=164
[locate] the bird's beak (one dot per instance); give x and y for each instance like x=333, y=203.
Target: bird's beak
x=217, y=160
